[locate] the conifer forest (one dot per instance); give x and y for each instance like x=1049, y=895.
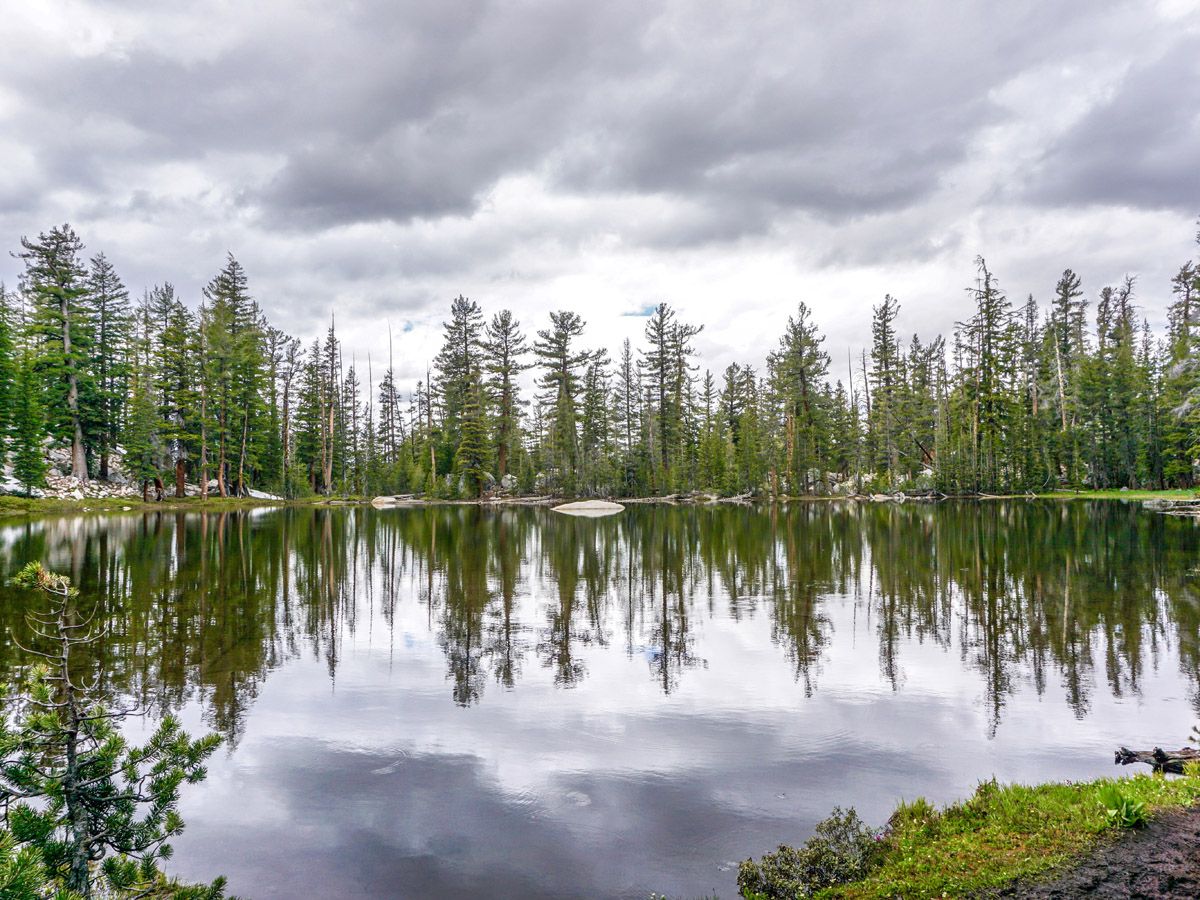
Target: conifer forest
x=1073, y=389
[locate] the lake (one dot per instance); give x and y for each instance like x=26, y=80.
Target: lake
x=468, y=702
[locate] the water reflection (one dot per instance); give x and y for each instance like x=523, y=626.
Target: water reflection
x=893, y=623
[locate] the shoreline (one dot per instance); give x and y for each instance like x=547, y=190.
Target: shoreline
x=15, y=505
x=1054, y=839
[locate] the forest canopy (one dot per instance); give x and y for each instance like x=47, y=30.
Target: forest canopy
x=1078, y=391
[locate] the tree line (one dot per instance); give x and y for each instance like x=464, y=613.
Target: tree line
x=1079, y=393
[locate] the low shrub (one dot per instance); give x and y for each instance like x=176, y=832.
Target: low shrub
x=842, y=850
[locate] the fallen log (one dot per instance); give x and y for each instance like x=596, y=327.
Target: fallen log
x=1161, y=760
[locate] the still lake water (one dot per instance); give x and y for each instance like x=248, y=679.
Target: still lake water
x=464, y=702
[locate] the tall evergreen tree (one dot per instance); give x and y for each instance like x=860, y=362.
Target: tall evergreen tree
x=504, y=350
x=883, y=420
x=28, y=425
x=233, y=369
x=562, y=365
x=666, y=376
x=471, y=457
x=56, y=288
x=109, y=364
x=9, y=366
x=798, y=372
x=459, y=364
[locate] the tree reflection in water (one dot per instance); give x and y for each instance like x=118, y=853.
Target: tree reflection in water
x=205, y=605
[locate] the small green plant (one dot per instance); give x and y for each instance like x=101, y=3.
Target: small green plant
x=1121, y=811
x=842, y=850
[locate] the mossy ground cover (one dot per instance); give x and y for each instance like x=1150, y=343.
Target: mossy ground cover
x=1004, y=833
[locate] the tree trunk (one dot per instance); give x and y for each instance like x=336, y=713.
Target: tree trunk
x=79, y=879
x=1062, y=391
x=502, y=444
x=327, y=448
x=180, y=480
x=203, y=428
x=78, y=457
x=145, y=490
x=223, y=421
x=241, y=478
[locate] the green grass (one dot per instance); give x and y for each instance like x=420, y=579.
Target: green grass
x=1177, y=494
x=35, y=506
x=1004, y=834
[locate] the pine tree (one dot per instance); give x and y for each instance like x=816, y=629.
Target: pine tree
x=458, y=365
x=55, y=285
x=710, y=450
x=990, y=362
x=471, y=457
x=595, y=469
x=143, y=446
x=798, y=372
x=562, y=366
x=28, y=425
x=504, y=350
x=234, y=368
x=272, y=463
x=628, y=421
x=1179, y=413
x=175, y=360
x=329, y=377
x=142, y=441
x=109, y=367
x=883, y=421
x=1069, y=350
x=8, y=372
x=666, y=375
x=309, y=419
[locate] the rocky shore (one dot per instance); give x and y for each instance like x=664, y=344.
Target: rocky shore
x=61, y=485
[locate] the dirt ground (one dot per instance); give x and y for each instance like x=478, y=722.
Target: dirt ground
x=1160, y=861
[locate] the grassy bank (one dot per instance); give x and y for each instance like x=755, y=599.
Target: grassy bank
x=37, y=506
x=1180, y=494
x=1002, y=834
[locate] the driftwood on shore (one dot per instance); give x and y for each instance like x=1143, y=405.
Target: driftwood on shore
x=695, y=498
x=1161, y=760
x=1172, y=507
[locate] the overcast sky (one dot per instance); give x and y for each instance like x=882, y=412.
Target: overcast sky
x=375, y=159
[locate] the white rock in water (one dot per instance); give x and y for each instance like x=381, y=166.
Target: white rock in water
x=590, y=508
x=385, y=502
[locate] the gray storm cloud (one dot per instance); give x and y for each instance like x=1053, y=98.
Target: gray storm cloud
x=382, y=157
